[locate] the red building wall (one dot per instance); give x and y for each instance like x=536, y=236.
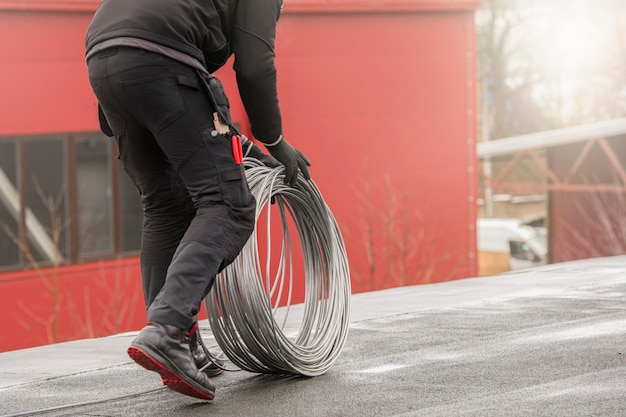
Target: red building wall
x=380, y=97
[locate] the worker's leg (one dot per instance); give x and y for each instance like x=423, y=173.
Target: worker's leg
x=146, y=90
x=168, y=209
x=167, y=98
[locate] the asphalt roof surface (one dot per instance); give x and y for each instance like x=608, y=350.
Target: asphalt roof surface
x=543, y=342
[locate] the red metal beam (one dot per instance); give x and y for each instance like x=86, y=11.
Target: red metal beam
x=544, y=166
x=579, y=160
x=556, y=183
x=509, y=167
x=614, y=161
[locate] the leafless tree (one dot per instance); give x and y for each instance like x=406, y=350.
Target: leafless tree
x=399, y=240
x=550, y=63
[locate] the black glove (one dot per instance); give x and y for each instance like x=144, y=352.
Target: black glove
x=253, y=151
x=291, y=158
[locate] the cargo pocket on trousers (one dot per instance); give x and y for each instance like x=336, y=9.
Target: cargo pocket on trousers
x=234, y=186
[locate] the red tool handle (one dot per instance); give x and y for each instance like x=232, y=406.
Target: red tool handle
x=237, y=149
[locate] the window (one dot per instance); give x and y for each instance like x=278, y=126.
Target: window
x=10, y=255
x=94, y=194
x=45, y=198
x=522, y=251
x=65, y=198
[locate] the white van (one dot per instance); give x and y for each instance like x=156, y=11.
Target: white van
x=508, y=245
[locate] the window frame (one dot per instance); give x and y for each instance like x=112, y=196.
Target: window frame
x=70, y=215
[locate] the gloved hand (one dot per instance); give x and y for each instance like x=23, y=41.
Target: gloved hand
x=253, y=151
x=291, y=158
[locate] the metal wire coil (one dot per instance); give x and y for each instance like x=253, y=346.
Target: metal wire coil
x=253, y=327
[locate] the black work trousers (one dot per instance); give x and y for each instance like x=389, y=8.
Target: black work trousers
x=198, y=209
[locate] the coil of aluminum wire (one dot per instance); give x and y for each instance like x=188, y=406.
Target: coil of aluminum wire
x=250, y=306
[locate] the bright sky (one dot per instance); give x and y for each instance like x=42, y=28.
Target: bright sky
x=579, y=37
x=577, y=52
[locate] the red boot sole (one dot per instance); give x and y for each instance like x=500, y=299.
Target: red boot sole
x=170, y=379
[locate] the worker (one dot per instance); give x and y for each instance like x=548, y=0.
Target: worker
x=151, y=67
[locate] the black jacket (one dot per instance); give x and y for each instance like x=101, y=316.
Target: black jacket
x=209, y=31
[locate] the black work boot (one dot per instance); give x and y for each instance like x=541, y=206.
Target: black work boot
x=165, y=349
x=210, y=367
